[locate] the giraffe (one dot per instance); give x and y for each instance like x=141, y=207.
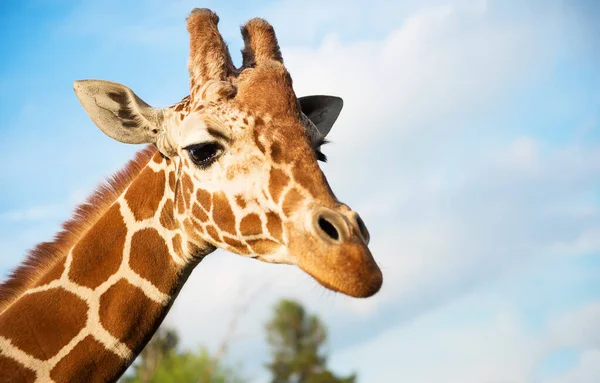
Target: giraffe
x=232, y=166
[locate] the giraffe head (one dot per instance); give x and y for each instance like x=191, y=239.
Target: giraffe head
x=245, y=151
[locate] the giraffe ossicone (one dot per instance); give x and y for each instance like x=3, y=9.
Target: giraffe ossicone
x=233, y=166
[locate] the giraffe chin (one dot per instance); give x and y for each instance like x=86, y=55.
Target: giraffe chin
x=348, y=269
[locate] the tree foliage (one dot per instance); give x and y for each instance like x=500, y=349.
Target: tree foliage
x=161, y=362
x=297, y=340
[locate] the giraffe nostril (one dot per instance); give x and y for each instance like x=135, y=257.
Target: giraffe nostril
x=328, y=228
x=330, y=225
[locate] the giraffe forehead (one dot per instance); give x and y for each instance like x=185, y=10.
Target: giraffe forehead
x=192, y=130
x=201, y=124
x=239, y=121
x=255, y=142
x=284, y=141
x=273, y=85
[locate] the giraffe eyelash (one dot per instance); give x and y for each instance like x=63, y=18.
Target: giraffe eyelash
x=320, y=156
x=321, y=141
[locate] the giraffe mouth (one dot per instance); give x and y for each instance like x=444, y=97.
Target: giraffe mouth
x=350, y=270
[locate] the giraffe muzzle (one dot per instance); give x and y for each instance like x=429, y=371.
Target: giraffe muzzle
x=339, y=257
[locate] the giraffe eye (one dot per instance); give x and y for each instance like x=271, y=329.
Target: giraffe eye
x=203, y=155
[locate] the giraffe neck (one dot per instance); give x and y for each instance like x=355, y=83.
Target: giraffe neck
x=87, y=316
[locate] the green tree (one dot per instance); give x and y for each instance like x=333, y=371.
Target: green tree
x=162, y=345
x=161, y=362
x=297, y=340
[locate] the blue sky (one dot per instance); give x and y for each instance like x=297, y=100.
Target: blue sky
x=469, y=143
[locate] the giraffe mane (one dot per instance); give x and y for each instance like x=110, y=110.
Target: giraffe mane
x=46, y=254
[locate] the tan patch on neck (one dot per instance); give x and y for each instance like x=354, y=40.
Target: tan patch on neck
x=166, y=216
x=150, y=258
x=177, y=245
x=11, y=370
x=251, y=225
x=263, y=246
x=119, y=305
x=193, y=231
x=145, y=193
x=172, y=181
x=199, y=213
x=274, y=225
x=88, y=362
x=222, y=214
x=180, y=206
x=214, y=234
x=239, y=246
x=98, y=255
x=31, y=324
x=204, y=198
x=188, y=186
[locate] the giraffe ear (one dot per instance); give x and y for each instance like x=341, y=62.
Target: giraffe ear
x=118, y=112
x=322, y=111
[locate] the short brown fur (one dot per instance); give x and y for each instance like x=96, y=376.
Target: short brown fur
x=148, y=259
x=79, y=365
x=47, y=254
x=95, y=258
x=11, y=371
x=122, y=301
x=40, y=339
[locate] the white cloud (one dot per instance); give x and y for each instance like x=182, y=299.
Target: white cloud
x=304, y=21
x=586, y=371
x=444, y=64
x=474, y=339
x=578, y=329
x=443, y=345
x=522, y=154
x=587, y=242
